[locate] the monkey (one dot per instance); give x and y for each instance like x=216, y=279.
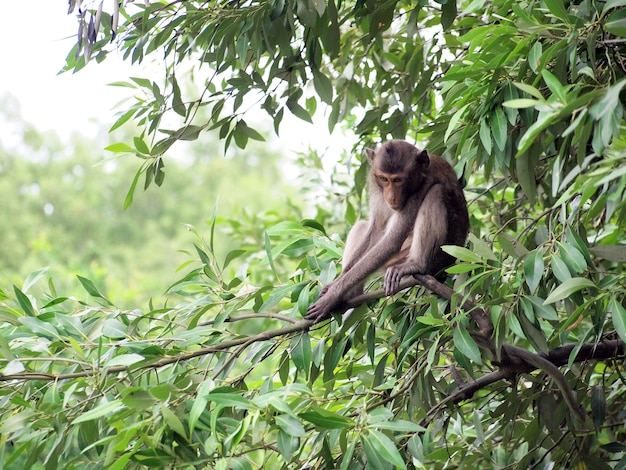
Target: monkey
x=416, y=205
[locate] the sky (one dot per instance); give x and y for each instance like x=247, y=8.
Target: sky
x=35, y=38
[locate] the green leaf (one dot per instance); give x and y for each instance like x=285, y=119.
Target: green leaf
x=557, y=8
x=137, y=398
x=569, y=287
x=231, y=399
x=543, y=121
x=290, y=425
x=466, y=344
x=286, y=228
x=454, y=121
x=560, y=269
x=462, y=254
x=113, y=328
x=177, y=103
x=606, y=106
x=554, y=85
x=323, y=87
x=199, y=405
x=610, y=4
x=616, y=23
x=239, y=463
x=24, y=302
x=120, y=147
x=400, y=425
x=299, y=111
x=618, y=313
x=301, y=353
x=525, y=172
x=534, y=56
x=173, y=421
x=384, y=448
x=485, y=136
x=522, y=103
x=326, y=419
x=615, y=253
x=572, y=256
x=533, y=270
x=448, y=14
x=531, y=90
x=124, y=360
x=122, y=119
x=105, y=409
x=128, y=200
x=91, y=289
x=499, y=128
x=188, y=133
x=142, y=82
x=598, y=407
x=39, y=327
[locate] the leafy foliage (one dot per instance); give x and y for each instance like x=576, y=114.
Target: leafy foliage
x=526, y=98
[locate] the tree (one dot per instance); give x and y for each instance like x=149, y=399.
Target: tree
x=525, y=98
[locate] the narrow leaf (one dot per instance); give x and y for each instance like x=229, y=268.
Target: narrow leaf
x=124, y=360
x=454, y=121
x=325, y=419
x=105, y=409
x=531, y=90
x=466, y=344
x=290, y=425
x=128, y=200
x=91, y=289
x=24, y=302
x=499, y=128
x=385, y=448
x=533, y=270
x=521, y=103
x=618, y=313
x=569, y=287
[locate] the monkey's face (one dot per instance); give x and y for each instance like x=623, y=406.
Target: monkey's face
x=393, y=187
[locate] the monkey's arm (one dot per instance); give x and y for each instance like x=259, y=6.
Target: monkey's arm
x=362, y=267
x=429, y=233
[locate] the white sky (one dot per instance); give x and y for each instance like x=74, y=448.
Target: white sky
x=35, y=38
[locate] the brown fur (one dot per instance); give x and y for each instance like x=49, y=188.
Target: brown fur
x=416, y=206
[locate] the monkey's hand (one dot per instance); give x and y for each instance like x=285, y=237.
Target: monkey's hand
x=321, y=309
x=394, y=275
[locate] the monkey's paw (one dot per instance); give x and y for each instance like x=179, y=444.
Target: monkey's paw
x=393, y=276
x=319, y=311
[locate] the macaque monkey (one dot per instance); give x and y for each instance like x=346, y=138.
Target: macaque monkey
x=416, y=206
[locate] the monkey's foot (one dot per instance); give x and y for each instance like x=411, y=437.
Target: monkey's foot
x=320, y=310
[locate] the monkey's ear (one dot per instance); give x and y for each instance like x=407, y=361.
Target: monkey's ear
x=423, y=159
x=370, y=155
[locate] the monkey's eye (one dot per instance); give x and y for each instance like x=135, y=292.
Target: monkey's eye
x=397, y=181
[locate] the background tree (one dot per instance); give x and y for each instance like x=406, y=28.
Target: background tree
x=526, y=98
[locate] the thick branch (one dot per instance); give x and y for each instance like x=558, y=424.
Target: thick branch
x=477, y=314
x=516, y=365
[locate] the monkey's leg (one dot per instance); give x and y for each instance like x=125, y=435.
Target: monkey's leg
x=369, y=256
x=429, y=233
x=356, y=245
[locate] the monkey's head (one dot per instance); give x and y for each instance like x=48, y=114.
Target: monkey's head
x=396, y=169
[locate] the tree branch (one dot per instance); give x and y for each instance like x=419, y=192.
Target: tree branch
x=513, y=360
